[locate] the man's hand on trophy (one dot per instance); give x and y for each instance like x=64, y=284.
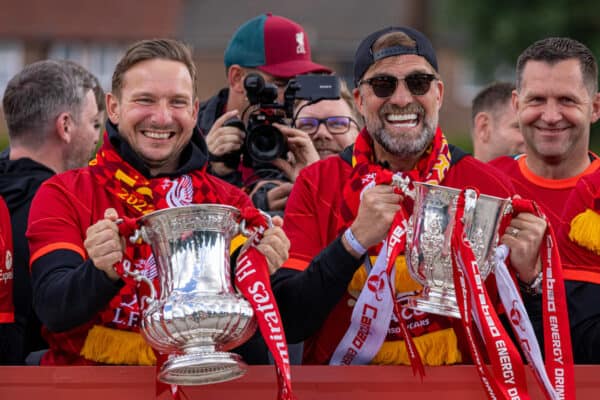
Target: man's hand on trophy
x=376, y=212
x=104, y=245
x=274, y=245
x=524, y=236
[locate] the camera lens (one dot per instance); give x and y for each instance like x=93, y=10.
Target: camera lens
x=265, y=143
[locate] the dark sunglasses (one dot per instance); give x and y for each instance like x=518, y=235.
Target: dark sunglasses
x=335, y=125
x=385, y=85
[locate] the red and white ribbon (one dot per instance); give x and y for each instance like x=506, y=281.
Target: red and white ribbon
x=519, y=320
x=507, y=376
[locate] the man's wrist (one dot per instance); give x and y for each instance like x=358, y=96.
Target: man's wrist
x=218, y=168
x=352, y=245
x=534, y=287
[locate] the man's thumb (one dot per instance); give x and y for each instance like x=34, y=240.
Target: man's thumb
x=111, y=213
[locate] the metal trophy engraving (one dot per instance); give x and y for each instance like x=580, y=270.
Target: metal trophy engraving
x=198, y=316
x=428, y=252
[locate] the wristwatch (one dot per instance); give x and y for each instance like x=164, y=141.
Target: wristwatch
x=533, y=288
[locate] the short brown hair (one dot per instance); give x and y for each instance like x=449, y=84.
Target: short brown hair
x=36, y=95
x=166, y=49
x=555, y=49
x=392, y=39
x=491, y=97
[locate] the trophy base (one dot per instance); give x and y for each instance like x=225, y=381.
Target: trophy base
x=435, y=302
x=202, y=368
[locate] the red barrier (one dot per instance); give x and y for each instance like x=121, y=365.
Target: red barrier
x=310, y=382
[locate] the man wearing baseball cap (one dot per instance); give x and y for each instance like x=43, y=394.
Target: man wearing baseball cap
x=342, y=208
x=277, y=49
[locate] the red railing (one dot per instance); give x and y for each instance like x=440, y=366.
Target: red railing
x=310, y=382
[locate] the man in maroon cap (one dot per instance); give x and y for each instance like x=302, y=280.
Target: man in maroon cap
x=277, y=49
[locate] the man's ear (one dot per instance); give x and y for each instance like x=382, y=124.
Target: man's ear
x=195, y=108
x=112, y=107
x=514, y=101
x=482, y=126
x=439, y=84
x=358, y=100
x=235, y=78
x=64, y=126
x=595, y=107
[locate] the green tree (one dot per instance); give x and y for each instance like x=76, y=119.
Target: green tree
x=492, y=34
x=495, y=32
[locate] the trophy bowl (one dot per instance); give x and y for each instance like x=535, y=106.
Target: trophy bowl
x=198, y=316
x=428, y=248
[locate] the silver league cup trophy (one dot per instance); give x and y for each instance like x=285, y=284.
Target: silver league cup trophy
x=428, y=252
x=198, y=316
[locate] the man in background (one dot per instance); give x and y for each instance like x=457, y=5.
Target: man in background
x=53, y=123
x=557, y=101
x=495, y=131
x=277, y=49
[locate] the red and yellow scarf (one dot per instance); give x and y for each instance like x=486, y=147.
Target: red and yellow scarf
x=106, y=342
x=431, y=168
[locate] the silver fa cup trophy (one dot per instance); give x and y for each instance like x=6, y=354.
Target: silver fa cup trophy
x=428, y=249
x=198, y=315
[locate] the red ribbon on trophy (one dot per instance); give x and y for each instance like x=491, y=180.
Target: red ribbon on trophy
x=252, y=280
x=557, y=334
x=507, y=378
x=396, y=241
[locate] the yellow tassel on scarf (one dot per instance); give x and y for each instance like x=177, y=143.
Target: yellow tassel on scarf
x=114, y=346
x=585, y=230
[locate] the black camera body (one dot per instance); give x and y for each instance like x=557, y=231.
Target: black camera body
x=264, y=142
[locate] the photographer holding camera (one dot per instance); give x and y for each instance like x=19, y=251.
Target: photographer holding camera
x=276, y=49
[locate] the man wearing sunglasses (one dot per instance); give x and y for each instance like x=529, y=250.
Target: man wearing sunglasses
x=277, y=49
x=337, y=216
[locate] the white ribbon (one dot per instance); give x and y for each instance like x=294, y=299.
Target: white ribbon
x=519, y=319
x=370, y=317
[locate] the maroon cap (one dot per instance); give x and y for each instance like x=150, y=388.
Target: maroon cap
x=273, y=44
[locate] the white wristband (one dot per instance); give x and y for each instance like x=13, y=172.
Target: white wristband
x=354, y=244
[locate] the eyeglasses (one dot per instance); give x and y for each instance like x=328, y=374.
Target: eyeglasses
x=334, y=125
x=385, y=85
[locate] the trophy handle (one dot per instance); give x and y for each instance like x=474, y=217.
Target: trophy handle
x=138, y=277
x=471, y=197
x=249, y=232
x=404, y=185
x=129, y=227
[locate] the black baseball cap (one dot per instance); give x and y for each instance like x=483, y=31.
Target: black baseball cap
x=365, y=57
